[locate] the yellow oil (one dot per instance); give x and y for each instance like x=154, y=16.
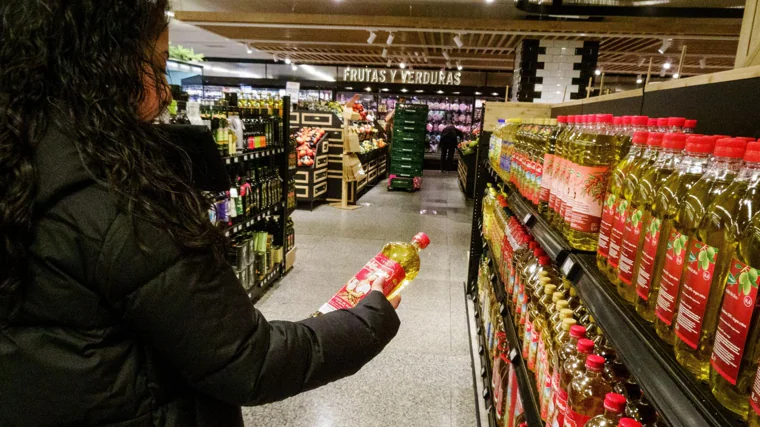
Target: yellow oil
x=593, y=154
x=713, y=231
x=550, y=144
x=565, y=146
x=652, y=177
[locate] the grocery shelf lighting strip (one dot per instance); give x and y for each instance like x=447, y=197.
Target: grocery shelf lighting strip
x=318, y=74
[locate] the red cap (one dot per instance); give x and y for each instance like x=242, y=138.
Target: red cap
x=627, y=120
x=651, y=122
x=544, y=260
x=628, y=422
x=533, y=245
x=674, y=141
x=603, y=118
x=591, y=118
x=675, y=121
x=640, y=120
x=745, y=138
x=691, y=124
x=617, y=120
x=561, y=119
x=731, y=148
x=662, y=122
x=752, y=152
x=422, y=240
x=501, y=335
x=585, y=346
x=594, y=362
x=654, y=139
x=571, y=119
x=640, y=137
x=700, y=144
x=538, y=253
x=614, y=402
x=578, y=331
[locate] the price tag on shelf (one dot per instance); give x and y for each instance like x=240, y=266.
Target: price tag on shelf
x=502, y=309
x=227, y=161
x=485, y=393
x=235, y=160
x=527, y=218
x=567, y=266
x=481, y=349
x=513, y=355
x=483, y=371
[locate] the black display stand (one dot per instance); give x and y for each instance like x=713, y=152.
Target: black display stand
x=466, y=170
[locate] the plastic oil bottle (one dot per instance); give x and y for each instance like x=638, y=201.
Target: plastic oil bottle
x=613, y=194
x=585, y=132
x=586, y=392
x=652, y=176
x=567, y=357
x=568, y=166
x=556, y=127
x=538, y=314
x=593, y=158
x=708, y=255
x=662, y=211
x=614, y=410
x=735, y=338
x=623, y=209
x=558, y=174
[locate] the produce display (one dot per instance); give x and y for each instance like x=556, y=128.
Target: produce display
x=306, y=144
x=468, y=147
x=372, y=144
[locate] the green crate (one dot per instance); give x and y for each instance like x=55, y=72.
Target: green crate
x=401, y=184
x=410, y=120
x=414, y=156
x=408, y=150
x=406, y=169
x=409, y=131
x=407, y=142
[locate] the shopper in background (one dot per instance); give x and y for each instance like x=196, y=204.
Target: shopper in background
x=116, y=307
x=449, y=140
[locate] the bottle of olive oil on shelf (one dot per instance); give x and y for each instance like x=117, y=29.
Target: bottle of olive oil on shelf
x=708, y=255
x=735, y=349
x=566, y=175
x=613, y=194
x=623, y=209
x=671, y=252
x=593, y=157
x=557, y=126
x=652, y=176
x=558, y=173
x=661, y=211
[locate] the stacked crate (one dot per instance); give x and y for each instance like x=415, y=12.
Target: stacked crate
x=408, y=146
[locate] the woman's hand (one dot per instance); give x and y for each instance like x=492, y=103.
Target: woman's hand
x=377, y=285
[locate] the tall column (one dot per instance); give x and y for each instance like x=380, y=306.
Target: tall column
x=748, y=52
x=551, y=71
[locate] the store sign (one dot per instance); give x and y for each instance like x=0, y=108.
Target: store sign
x=292, y=89
x=412, y=77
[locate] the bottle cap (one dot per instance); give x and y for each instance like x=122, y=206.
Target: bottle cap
x=745, y=138
x=752, y=153
x=690, y=124
x=544, y=260
x=700, y=144
x=731, y=148
x=533, y=245
x=676, y=122
x=654, y=139
x=561, y=119
x=593, y=362
x=640, y=120
x=538, y=252
x=627, y=120
x=674, y=141
x=566, y=313
x=662, y=122
x=651, y=122
x=549, y=289
x=614, y=402
x=422, y=240
x=560, y=296
x=617, y=121
x=603, y=118
x=578, y=331
x=628, y=422
x=640, y=137
x=568, y=324
x=586, y=346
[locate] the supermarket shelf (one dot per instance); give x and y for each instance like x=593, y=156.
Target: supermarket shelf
x=232, y=231
x=257, y=291
x=237, y=158
x=481, y=354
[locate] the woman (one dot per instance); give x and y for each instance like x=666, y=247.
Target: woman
x=116, y=307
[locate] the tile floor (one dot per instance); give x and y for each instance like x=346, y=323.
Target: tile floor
x=424, y=376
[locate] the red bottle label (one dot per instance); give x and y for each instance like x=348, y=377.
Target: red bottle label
x=618, y=229
x=630, y=246
x=739, y=300
x=696, y=289
x=574, y=419
x=361, y=284
x=648, y=253
x=560, y=410
x=546, y=178
x=589, y=197
x=671, y=276
x=608, y=218
x=754, y=397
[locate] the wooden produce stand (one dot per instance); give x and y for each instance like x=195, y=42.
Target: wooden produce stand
x=311, y=181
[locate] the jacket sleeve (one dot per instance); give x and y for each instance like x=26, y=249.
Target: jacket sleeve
x=197, y=317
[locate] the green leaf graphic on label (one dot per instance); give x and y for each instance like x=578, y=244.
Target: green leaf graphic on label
x=684, y=238
x=610, y=201
x=731, y=279
x=752, y=273
x=744, y=283
x=622, y=206
x=704, y=262
x=710, y=253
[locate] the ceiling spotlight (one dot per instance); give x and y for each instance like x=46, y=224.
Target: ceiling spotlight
x=675, y=75
x=368, y=89
x=448, y=64
x=598, y=72
x=641, y=61
x=478, y=93
x=639, y=80
x=385, y=89
x=458, y=41
x=275, y=57
x=404, y=90
x=389, y=63
x=402, y=65
x=662, y=73
x=419, y=91
x=703, y=63
x=349, y=88
x=440, y=92
x=372, y=37
x=446, y=55
x=495, y=93
x=294, y=67
x=665, y=45
x=459, y=66
x=666, y=65
x=489, y=1
x=390, y=39
x=287, y=60
x=385, y=53
x=248, y=49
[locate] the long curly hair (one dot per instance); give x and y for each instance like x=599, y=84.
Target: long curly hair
x=84, y=62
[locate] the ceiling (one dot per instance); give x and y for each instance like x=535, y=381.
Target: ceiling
x=335, y=32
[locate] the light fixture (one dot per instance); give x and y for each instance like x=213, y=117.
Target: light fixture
x=294, y=67
x=641, y=61
x=404, y=90
x=459, y=66
x=639, y=80
x=675, y=75
x=666, y=65
x=598, y=72
x=478, y=93
x=169, y=14
x=349, y=88
x=390, y=39
x=389, y=63
x=446, y=55
x=448, y=64
x=440, y=92
x=495, y=93
x=316, y=73
x=372, y=37
x=703, y=63
x=287, y=60
x=456, y=93
x=385, y=53
x=248, y=49
x=402, y=65
x=275, y=57
x=419, y=91
x=489, y=1
x=368, y=89
x=385, y=89
x=348, y=67
x=665, y=45
x=458, y=41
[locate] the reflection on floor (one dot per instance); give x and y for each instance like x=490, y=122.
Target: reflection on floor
x=424, y=377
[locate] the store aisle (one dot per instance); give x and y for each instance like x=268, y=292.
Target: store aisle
x=424, y=377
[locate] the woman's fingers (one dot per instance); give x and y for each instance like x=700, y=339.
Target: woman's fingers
x=377, y=285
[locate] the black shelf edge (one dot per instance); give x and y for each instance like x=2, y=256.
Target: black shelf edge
x=274, y=210
x=487, y=369
x=243, y=157
x=680, y=399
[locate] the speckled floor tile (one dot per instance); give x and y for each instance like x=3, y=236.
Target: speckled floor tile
x=424, y=377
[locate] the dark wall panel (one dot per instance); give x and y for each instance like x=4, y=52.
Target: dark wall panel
x=571, y=110
x=619, y=107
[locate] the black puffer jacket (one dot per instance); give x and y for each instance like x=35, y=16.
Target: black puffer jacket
x=108, y=335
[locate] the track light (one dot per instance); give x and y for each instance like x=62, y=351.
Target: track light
x=448, y=64
x=390, y=39
x=459, y=66
x=665, y=45
x=639, y=80
x=402, y=65
x=389, y=63
x=446, y=55
x=641, y=61
x=294, y=67
x=666, y=65
x=248, y=49
x=598, y=72
x=703, y=63
x=675, y=75
x=385, y=53
x=275, y=57
x=372, y=37
x=458, y=41
x=287, y=60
